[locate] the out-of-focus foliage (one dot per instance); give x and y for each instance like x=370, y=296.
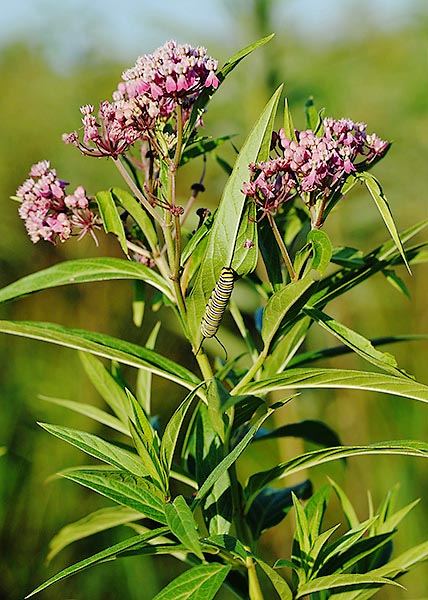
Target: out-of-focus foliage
x=382, y=78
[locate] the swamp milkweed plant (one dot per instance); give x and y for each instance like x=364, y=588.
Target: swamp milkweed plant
x=180, y=483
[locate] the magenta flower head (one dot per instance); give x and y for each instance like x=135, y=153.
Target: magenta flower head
x=173, y=73
x=312, y=166
x=49, y=213
x=148, y=95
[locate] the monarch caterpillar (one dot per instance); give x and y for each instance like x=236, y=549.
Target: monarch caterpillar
x=217, y=304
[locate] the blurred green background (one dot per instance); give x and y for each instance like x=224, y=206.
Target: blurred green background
x=363, y=60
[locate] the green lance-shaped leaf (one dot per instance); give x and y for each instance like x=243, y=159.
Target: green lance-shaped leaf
x=182, y=524
x=84, y=270
x=144, y=378
x=89, y=411
x=358, y=343
x=104, y=346
x=312, y=431
x=278, y=582
x=220, y=249
x=206, y=94
x=172, y=431
x=107, y=386
x=313, y=118
x=394, y=568
x=381, y=202
x=111, y=218
x=202, y=145
x=288, y=300
x=317, y=457
x=133, y=543
x=99, y=448
x=336, y=581
x=137, y=212
x=100, y=520
x=272, y=505
x=321, y=248
x=228, y=461
x=293, y=379
x=348, y=510
x=198, y=583
x=131, y=491
x=289, y=129
x=147, y=445
x=287, y=346
x=377, y=260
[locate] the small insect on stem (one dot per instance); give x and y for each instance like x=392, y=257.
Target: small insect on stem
x=216, y=306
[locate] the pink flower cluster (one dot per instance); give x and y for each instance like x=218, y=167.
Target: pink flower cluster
x=149, y=91
x=312, y=166
x=173, y=72
x=49, y=213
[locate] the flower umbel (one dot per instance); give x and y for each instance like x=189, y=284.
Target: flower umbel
x=49, y=213
x=148, y=96
x=312, y=166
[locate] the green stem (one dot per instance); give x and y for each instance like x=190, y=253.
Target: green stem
x=282, y=247
x=137, y=191
x=255, y=591
x=251, y=372
x=204, y=365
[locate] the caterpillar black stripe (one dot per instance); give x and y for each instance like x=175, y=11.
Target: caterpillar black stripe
x=217, y=303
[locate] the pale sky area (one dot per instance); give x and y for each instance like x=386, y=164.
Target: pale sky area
x=69, y=29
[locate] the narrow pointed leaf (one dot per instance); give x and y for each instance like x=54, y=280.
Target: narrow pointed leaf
x=120, y=486
x=89, y=411
x=99, y=448
x=289, y=129
x=278, y=582
x=144, y=378
x=316, y=432
x=137, y=541
x=84, y=270
x=334, y=581
x=137, y=212
x=107, y=386
x=182, y=524
x=198, y=583
x=290, y=299
x=381, y=202
x=348, y=510
x=339, y=378
x=222, y=237
x=231, y=457
x=205, y=96
x=111, y=218
x=105, y=346
x=172, y=431
x=311, y=459
x=358, y=343
x=100, y=520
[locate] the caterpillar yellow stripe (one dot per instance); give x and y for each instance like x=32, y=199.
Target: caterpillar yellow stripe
x=218, y=302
